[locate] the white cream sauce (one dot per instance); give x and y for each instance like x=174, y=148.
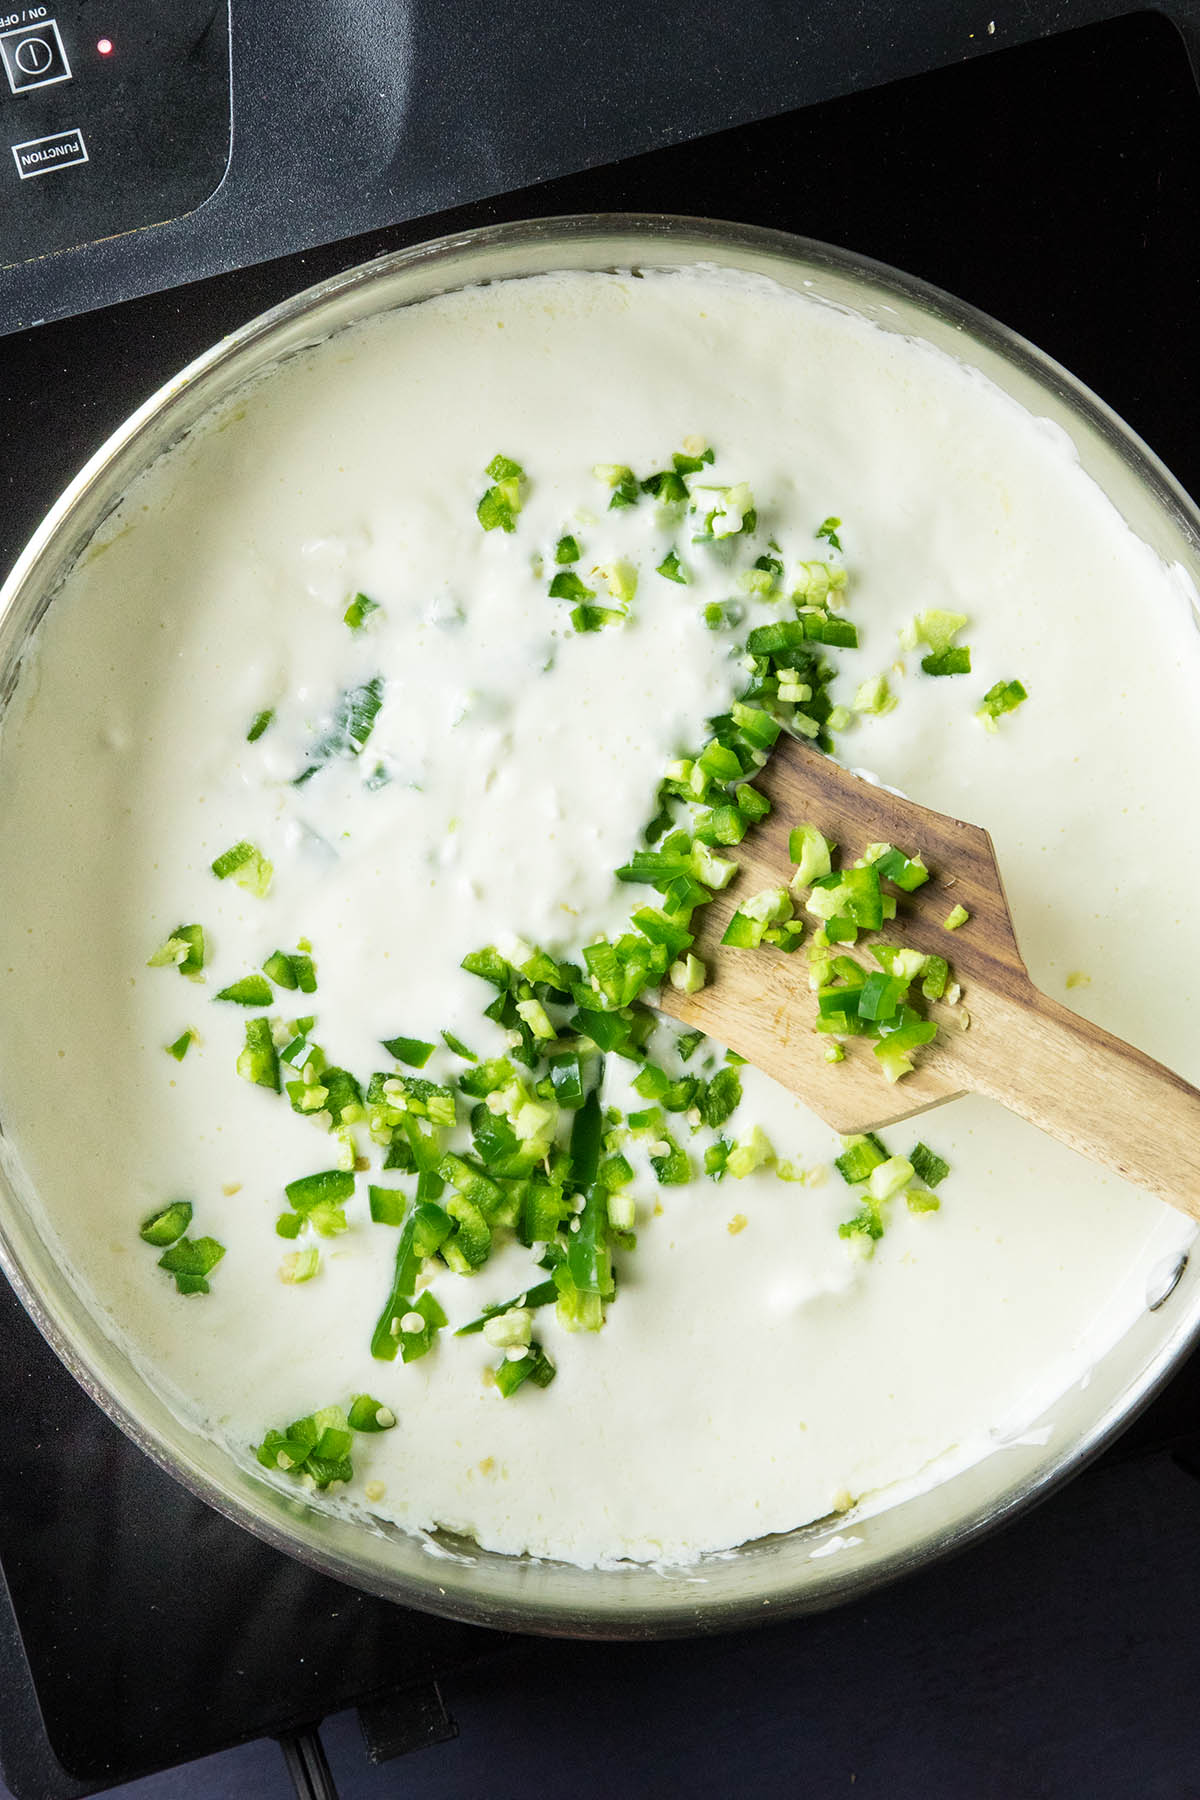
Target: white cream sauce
x=743, y=1383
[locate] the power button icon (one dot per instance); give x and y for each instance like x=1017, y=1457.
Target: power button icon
x=33, y=56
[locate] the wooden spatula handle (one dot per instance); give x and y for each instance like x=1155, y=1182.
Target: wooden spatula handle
x=1098, y=1094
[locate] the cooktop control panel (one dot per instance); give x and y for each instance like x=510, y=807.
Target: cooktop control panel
x=114, y=114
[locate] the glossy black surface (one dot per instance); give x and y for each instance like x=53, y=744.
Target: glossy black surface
x=1058, y=187
x=353, y=114
x=118, y=112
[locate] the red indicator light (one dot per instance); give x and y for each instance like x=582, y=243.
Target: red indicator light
x=105, y=46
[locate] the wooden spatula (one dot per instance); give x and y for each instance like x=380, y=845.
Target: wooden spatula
x=1101, y=1096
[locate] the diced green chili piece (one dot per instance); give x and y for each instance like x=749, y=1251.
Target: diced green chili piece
x=595, y=618
x=587, y=1130
x=415, y=1341
x=936, y=976
x=190, y=1261
x=756, y=726
x=861, y=1154
x=854, y=895
x=649, y=866
x=291, y=970
x=470, y=1244
x=881, y=996
x=164, y=1227
x=543, y=1293
x=928, y=1166
x=489, y=964
x=359, y=611
x=662, y=928
x=828, y=530
x=721, y=825
x=716, y=1157
x=754, y=805
x=388, y=1205
x=720, y=761
x=385, y=1340
x=810, y=850
x=192, y=962
x=258, y=1061
x=248, y=866
x=342, y=1096
x=503, y=501
x=326, y=1219
x=1002, y=697
x=368, y=1414
x=428, y=1099
x=259, y=724
x=588, y=1266
x=183, y=950
x=182, y=1044
x=614, y=1173
x=567, y=585
x=532, y=1365
x=874, y=696
x=958, y=915
x=907, y=872
x=413, y=1051
x=956, y=660
x=622, y=481
x=867, y=1224
x=887, y=1178
x=317, y=1446
x=672, y=568
x=232, y=859
x=353, y=722
x=328, y=1187
x=907, y=964
x=894, y=1052
x=749, y=1154
x=936, y=628
x=567, y=550
x=673, y=1166
x=722, y=512
x=251, y=990
x=543, y=1210
x=720, y=1098
x=820, y=628
x=667, y=486
x=279, y=967
x=676, y=1096
x=300, y=1266
x=755, y=916
x=566, y=1077
x=781, y=634
x=432, y=1225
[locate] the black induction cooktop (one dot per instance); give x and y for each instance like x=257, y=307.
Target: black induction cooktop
x=145, y=144
x=1057, y=186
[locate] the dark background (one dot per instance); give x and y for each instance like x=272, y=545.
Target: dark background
x=351, y=114
x=1057, y=186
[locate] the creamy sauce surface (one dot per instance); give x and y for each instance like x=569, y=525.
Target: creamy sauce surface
x=745, y=1382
